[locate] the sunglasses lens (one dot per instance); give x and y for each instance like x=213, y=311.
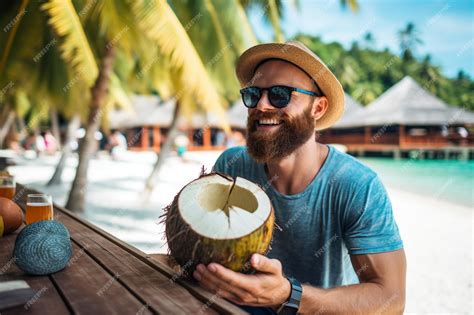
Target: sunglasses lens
x=279, y=96
x=250, y=96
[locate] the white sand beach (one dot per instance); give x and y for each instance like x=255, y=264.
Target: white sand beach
x=438, y=235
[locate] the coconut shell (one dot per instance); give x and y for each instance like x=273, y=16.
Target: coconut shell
x=11, y=214
x=188, y=249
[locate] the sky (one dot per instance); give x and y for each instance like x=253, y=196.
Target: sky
x=445, y=27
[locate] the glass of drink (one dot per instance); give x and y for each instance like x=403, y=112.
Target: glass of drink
x=7, y=187
x=38, y=207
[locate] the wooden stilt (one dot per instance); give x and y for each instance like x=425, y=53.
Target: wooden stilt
x=156, y=138
x=145, y=139
x=207, y=138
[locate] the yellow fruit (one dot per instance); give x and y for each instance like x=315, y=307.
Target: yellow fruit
x=1, y=226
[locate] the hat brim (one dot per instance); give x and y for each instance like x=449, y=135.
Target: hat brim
x=311, y=64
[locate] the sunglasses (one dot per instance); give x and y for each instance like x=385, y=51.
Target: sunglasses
x=278, y=95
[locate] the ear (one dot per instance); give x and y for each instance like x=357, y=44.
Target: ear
x=320, y=106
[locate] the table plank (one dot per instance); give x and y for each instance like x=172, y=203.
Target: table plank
x=46, y=299
x=161, y=294
x=89, y=289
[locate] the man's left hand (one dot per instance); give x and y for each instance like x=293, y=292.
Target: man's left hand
x=268, y=287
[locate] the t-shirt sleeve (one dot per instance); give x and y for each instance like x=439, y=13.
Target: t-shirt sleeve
x=220, y=164
x=369, y=225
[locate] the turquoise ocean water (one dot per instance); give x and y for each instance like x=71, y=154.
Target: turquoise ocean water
x=444, y=179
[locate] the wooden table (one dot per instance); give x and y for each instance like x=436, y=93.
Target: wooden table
x=106, y=276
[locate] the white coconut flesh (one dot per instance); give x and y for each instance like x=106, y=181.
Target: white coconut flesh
x=215, y=207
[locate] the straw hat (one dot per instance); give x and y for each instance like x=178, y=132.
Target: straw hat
x=301, y=56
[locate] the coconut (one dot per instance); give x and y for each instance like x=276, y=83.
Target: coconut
x=11, y=214
x=216, y=218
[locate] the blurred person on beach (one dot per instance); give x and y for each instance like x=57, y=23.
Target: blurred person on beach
x=50, y=142
x=337, y=248
x=33, y=145
x=116, y=144
x=13, y=142
x=220, y=138
x=236, y=139
x=181, y=143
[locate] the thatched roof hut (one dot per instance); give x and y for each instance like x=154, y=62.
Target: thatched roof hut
x=407, y=103
x=237, y=114
x=148, y=110
x=353, y=113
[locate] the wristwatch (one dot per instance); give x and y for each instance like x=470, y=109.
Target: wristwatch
x=292, y=305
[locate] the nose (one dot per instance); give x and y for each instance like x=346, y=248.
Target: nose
x=264, y=104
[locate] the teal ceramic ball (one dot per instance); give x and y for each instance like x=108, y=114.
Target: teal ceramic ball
x=43, y=248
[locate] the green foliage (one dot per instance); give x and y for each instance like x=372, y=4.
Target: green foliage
x=366, y=73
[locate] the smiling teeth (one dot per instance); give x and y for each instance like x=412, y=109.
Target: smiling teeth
x=269, y=122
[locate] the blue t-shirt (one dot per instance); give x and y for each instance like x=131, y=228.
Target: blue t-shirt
x=344, y=210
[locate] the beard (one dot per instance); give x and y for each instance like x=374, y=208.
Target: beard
x=293, y=132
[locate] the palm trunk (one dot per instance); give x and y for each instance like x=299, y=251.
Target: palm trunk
x=6, y=127
x=164, y=151
x=55, y=127
x=22, y=132
x=275, y=20
x=76, y=200
x=72, y=126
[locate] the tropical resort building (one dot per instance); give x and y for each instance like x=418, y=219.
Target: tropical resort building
x=146, y=125
x=405, y=118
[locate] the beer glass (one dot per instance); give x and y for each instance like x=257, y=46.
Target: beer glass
x=7, y=187
x=38, y=207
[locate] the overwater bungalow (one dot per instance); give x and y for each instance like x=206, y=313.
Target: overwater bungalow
x=146, y=125
x=404, y=118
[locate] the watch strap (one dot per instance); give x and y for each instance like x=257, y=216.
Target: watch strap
x=292, y=305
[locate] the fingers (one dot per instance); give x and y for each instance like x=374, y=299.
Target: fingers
x=213, y=283
x=265, y=264
x=234, y=279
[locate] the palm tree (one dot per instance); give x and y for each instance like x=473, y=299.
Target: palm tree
x=81, y=45
x=409, y=41
x=188, y=77
x=32, y=61
x=191, y=83
x=369, y=40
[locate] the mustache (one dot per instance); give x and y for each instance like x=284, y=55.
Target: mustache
x=257, y=115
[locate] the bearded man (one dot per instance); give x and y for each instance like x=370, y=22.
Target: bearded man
x=337, y=249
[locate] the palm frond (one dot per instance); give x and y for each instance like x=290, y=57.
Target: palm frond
x=352, y=4
x=11, y=35
x=75, y=48
x=22, y=103
x=275, y=20
x=246, y=26
x=118, y=94
x=160, y=24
